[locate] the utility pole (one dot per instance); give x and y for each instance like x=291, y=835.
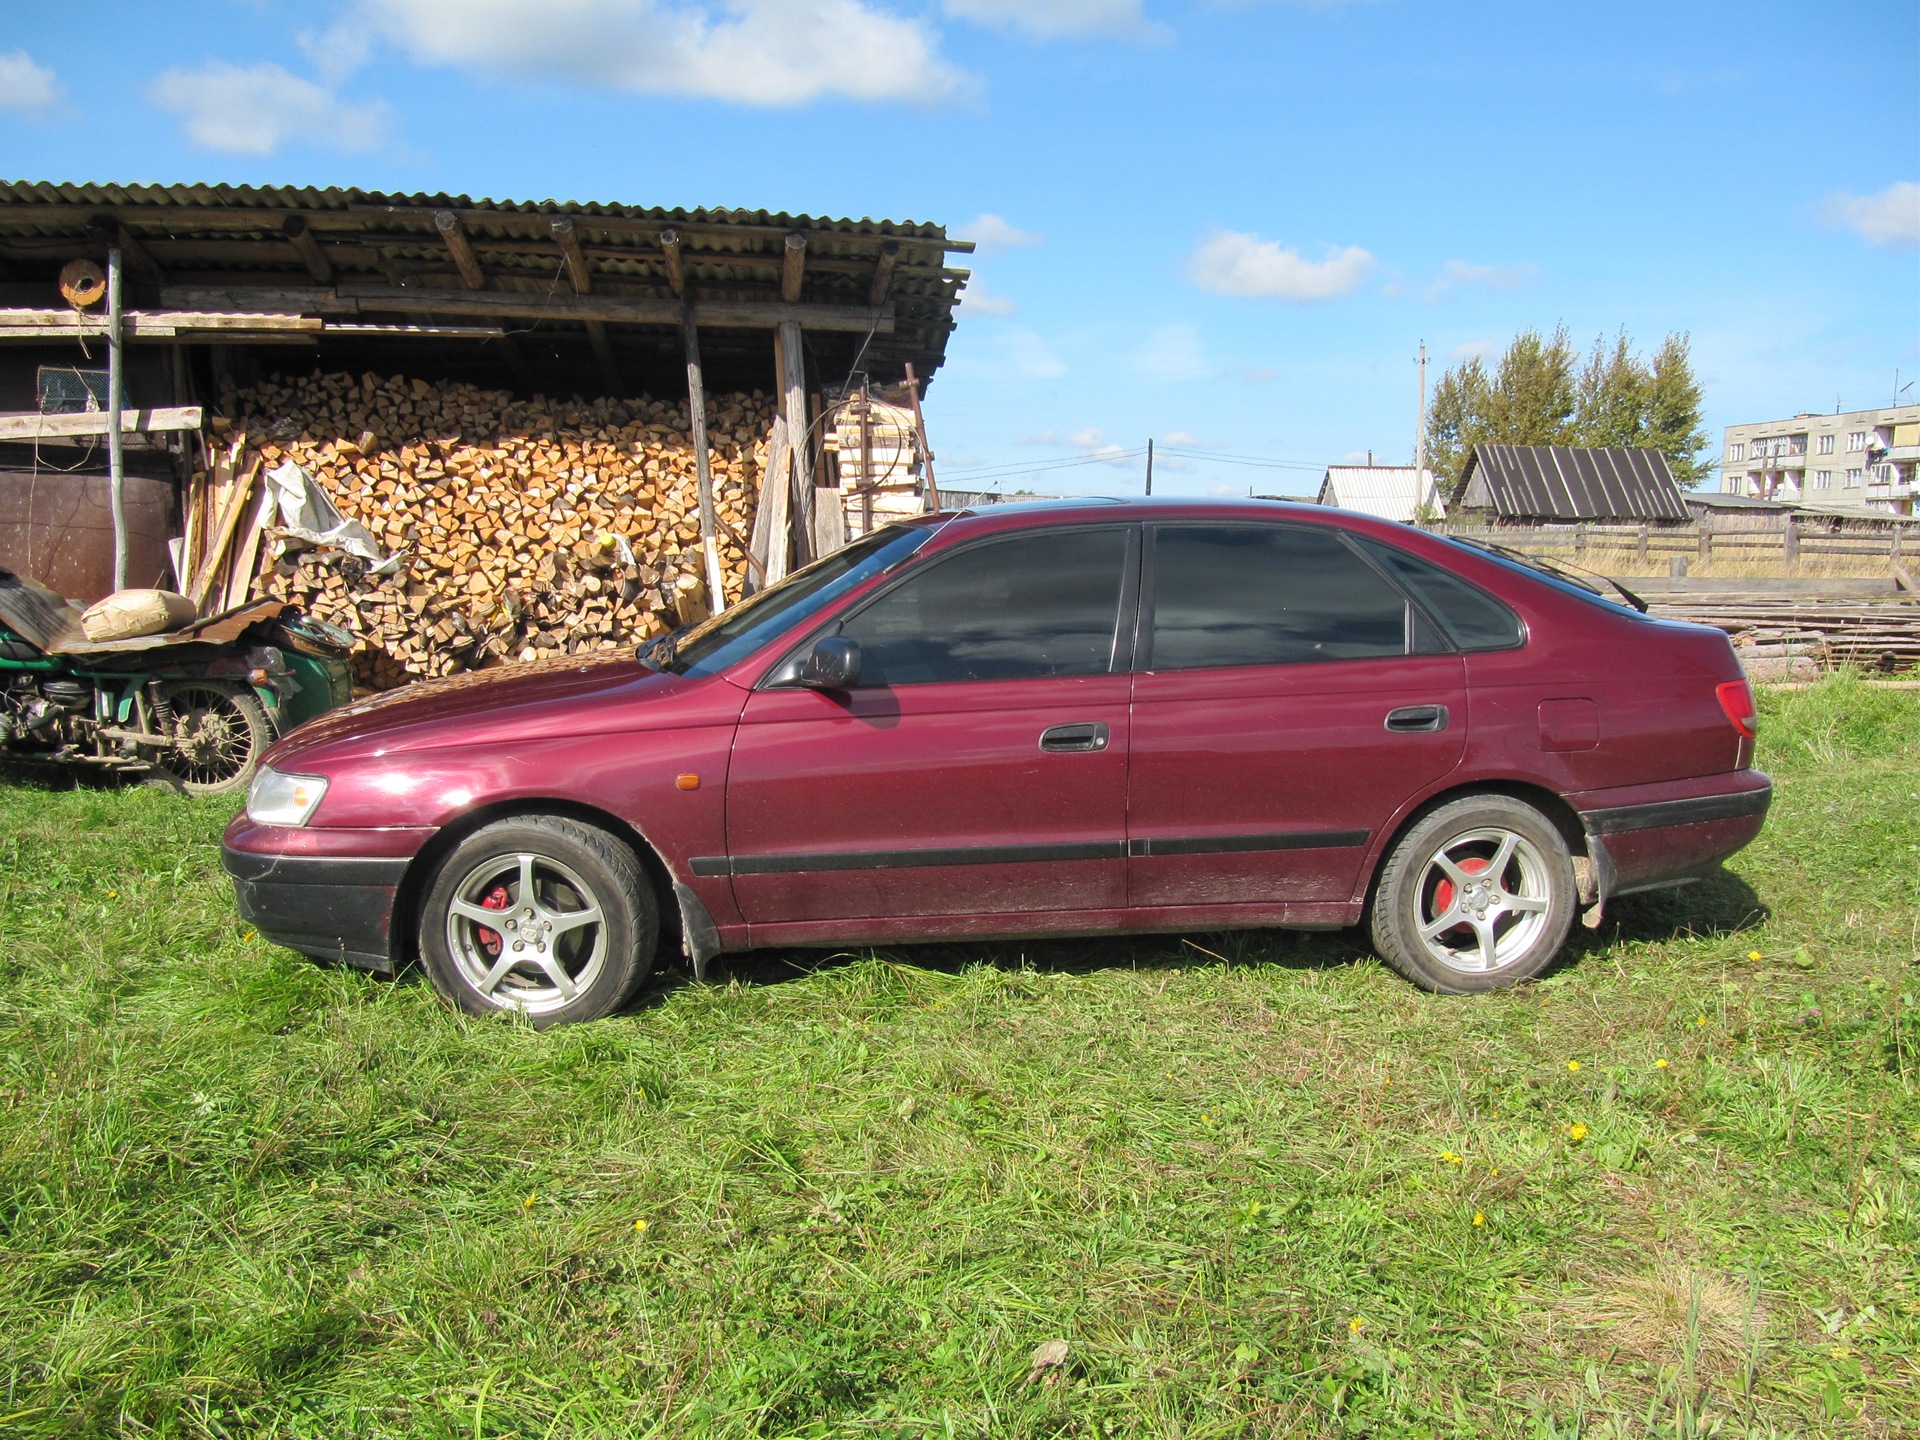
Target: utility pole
x=1420, y=429
x=116, y=472
x=1149, y=464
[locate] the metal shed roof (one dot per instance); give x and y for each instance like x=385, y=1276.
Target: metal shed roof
x=1392, y=492
x=1564, y=482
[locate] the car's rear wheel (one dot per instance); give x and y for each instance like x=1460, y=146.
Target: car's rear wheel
x=541, y=916
x=1477, y=895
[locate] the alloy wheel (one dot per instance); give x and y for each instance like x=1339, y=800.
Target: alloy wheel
x=1484, y=897
x=526, y=932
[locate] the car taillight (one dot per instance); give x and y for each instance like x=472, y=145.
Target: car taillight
x=1736, y=698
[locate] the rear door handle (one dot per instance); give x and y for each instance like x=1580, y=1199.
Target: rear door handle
x=1417, y=719
x=1062, y=738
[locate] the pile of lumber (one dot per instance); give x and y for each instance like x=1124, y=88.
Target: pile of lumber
x=1863, y=633
x=525, y=528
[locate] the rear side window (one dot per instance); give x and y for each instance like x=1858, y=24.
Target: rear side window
x=1043, y=604
x=1267, y=595
x=1472, y=618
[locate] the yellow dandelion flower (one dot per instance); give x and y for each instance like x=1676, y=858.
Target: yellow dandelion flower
x=1753, y=954
x=1479, y=1218
x=1205, y=1119
x=1573, y=1067
x=527, y=1204
x=1576, y=1132
x=1356, y=1325
x=1699, y=1020
x=1495, y=1172
x=113, y=894
x=639, y=1226
x=1661, y=1063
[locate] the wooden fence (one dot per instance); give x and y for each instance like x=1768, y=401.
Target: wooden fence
x=1896, y=543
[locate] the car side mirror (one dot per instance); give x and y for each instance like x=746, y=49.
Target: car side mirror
x=832, y=664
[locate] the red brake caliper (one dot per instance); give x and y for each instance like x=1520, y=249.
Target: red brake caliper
x=497, y=899
x=1443, y=892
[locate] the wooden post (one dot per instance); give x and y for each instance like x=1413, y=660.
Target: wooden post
x=1792, y=544
x=116, y=471
x=792, y=367
x=670, y=258
x=926, y=446
x=793, y=266
x=1642, y=546
x=1706, y=544
x=702, y=465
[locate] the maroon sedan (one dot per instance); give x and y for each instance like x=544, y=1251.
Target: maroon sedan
x=1050, y=719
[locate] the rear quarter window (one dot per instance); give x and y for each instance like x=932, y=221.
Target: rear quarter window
x=1473, y=619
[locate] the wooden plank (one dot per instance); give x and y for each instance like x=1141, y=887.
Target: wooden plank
x=448, y=224
x=775, y=488
x=670, y=257
x=300, y=235
x=762, y=514
x=65, y=324
x=791, y=371
x=702, y=461
x=94, y=422
x=214, y=565
x=356, y=299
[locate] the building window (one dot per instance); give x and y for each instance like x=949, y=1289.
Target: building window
x=1883, y=474
x=1854, y=477
x=1826, y=444
x=1856, y=440
x=1823, y=479
x=1736, y=451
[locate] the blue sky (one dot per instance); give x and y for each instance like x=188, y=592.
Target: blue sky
x=1226, y=224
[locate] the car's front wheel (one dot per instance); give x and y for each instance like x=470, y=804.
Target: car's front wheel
x=540, y=915
x=1477, y=895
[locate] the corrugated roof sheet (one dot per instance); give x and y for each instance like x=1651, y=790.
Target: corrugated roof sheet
x=1391, y=492
x=1564, y=482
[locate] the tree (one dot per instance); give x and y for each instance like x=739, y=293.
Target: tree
x=1539, y=394
x=1673, y=412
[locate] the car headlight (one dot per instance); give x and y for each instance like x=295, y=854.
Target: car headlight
x=276, y=799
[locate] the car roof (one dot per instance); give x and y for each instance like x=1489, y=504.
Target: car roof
x=1138, y=507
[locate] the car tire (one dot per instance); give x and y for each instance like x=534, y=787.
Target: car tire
x=1500, y=870
x=577, y=930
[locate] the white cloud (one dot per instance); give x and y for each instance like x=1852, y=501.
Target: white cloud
x=990, y=232
x=1183, y=440
x=1457, y=273
x=25, y=85
x=1890, y=219
x=256, y=110
x=976, y=299
x=755, y=52
x=1473, y=349
x=1231, y=262
x=1052, y=19
x=1088, y=438
x=1173, y=352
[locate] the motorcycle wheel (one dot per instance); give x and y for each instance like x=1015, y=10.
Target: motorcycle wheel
x=219, y=733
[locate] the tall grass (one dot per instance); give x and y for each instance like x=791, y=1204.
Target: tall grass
x=1255, y=1184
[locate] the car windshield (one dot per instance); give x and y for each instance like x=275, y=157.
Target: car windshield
x=1574, y=579
x=734, y=634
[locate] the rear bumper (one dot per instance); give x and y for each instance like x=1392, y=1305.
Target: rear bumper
x=331, y=908
x=1646, y=836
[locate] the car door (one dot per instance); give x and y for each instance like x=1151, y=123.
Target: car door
x=1289, y=702
x=979, y=766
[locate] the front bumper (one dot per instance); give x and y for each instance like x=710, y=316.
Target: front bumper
x=1645, y=836
x=332, y=907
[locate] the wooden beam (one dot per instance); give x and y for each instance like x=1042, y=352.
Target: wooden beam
x=670, y=257
x=354, y=298
x=790, y=365
x=448, y=224
x=883, y=273
x=577, y=271
x=109, y=232
x=34, y=426
x=702, y=465
x=793, y=266
x=149, y=324
x=300, y=236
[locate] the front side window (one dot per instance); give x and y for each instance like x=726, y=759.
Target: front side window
x=1267, y=595
x=1033, y=605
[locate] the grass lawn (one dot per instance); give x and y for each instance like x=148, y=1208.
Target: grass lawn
x=1256, y=1184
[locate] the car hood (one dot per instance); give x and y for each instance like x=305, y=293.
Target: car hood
x=541, y=699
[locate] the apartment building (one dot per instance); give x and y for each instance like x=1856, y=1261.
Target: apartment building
x=1853, y=457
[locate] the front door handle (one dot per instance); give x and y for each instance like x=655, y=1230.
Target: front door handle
x=1067, y=738
x=1417, y=719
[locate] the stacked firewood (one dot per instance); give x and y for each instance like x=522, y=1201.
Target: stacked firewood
x=525, y=528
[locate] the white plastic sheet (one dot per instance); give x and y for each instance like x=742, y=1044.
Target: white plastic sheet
x=307, y=514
